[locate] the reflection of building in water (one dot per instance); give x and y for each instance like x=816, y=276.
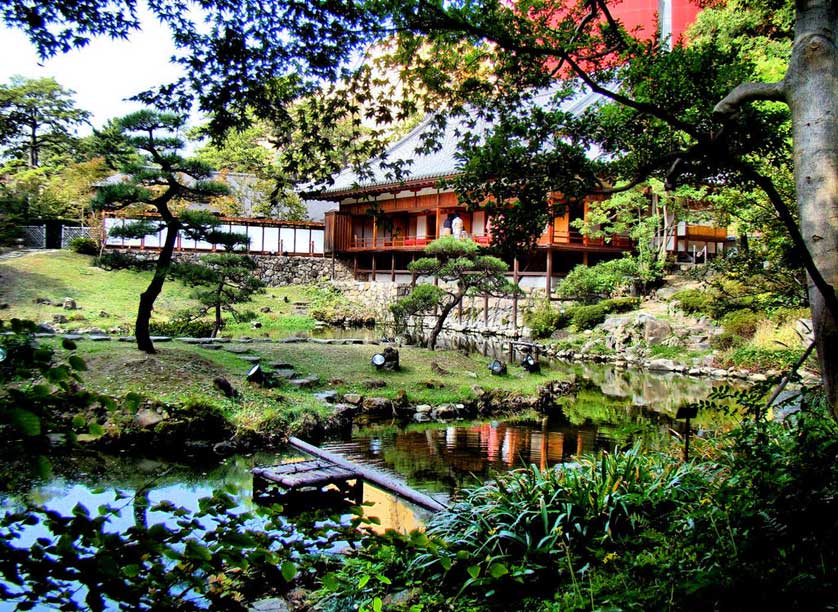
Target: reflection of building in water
x=391, y=511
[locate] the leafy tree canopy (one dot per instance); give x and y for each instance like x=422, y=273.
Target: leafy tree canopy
x=36, y=114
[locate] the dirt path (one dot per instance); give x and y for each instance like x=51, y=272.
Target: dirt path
x=23, y=252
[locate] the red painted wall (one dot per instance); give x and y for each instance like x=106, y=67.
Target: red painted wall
x=644, y=13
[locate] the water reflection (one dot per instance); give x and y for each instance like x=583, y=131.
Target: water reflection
x=443, y=459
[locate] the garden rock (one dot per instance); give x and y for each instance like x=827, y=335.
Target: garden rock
x=655, y=331
x=352, y=398
x=46, y=328
x=59, y=318
x=391, y=359
x=273, y=604
x=666, y=365
x=447, y=412
x=378, y=406
x=69, y=304
x=44, y=301
x=327, y=396
x=223, y=385
x=284, y=373
x=146, y=418
x=304, y=383
x=375, y=384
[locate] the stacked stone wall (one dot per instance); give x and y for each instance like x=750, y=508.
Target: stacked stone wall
x=276, y=270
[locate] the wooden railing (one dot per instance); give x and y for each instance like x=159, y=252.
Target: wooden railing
x=571, y=238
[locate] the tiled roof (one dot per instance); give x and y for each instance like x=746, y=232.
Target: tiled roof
x=442, y=162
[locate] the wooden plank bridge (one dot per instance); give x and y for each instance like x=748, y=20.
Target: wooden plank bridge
x=328, y=476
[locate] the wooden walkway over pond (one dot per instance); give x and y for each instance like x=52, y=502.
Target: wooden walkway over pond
x=329, y=475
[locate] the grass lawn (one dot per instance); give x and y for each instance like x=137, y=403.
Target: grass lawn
x=55, y=275
x=184, y=373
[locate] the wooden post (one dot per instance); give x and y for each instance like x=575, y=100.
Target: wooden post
x=460, y=311
x=393, y=268
x=485, y=310
x=412, y=274
x=373, y=267
x=548, y=285
x=438, y=217
x=585, y=258
x=374, y=233
x=515, y=297
x=355, y=267
x=294, y=231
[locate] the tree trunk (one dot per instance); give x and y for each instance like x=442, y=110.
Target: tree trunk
x=440, y=320
x=147, y=297
x=218, y=320
x=33, y=146
x=811, y=84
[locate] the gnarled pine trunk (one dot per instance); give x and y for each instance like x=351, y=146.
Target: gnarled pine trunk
x=147, y=297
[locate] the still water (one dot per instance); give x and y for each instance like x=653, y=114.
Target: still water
x=612, y=409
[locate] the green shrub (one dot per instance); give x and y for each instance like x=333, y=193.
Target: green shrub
x=784, y=315
x=726, y=341
x=423, y=298
x=590, y=283
x=588, y=317
x=544, y=319
x=742, y=322
x=693, y=301
x=116, y=260
x=622, y=304
x=194, y=328
x=763, y=359
x=84, y=246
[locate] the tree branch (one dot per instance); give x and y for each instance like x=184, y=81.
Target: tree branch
x=767, y=185
x=749, y=92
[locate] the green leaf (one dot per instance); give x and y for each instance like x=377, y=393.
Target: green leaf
x=77, y=363
x=473, y=571
x=330, y=581
x=94, y=429
x=25, y=422
x=445, y=562
x=496, y=570
x=363, y=581
x=377, y=605
x=79, y=421
x=197, y=551
x=131, y=571
x=289, y=570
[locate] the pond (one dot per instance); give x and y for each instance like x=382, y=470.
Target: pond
x=613, y=408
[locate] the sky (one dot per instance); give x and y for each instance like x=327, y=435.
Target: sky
x=103, y=74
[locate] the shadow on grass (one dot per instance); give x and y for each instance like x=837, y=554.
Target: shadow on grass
x=20, y=287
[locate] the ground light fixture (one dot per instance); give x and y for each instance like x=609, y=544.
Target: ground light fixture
x=255, y=375
x=497, y=367
x=686, y=413
x=2, y=354
x=378, y=360
x=530, y=364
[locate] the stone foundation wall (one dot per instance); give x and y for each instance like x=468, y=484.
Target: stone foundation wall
x=276, y=270
x=373, y=297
